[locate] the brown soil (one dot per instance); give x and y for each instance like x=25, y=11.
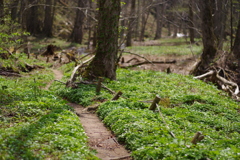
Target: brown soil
x=100, y=138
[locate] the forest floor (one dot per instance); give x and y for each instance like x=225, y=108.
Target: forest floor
x=100, y=138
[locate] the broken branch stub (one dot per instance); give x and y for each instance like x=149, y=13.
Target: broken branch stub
x=197, y=138
x=117, y=96
x=99, y=85
x=155, y=101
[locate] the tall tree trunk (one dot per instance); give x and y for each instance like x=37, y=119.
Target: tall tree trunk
x=1, y=11
x=236, y=50
x=48, y=20
x=220, y=19
x=158, y=32
x=137, y=20
x=104, y=62
x=33, y=24
x=131, y=23
x=23, y=14
x=90, y=26
x=191, y=22
x=208, y=38
x=14, y=8
x=77, y=32
x=145, y=14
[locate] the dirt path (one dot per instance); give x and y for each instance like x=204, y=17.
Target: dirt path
x=100, y=138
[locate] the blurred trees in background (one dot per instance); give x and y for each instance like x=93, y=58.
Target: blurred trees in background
x=76, y=20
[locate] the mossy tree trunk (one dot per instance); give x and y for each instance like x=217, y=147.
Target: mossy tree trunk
x=104, y=62
x=208, y=38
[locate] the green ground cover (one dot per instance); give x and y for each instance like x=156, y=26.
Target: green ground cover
x=170, y=46
x=37, y=124
x=187, y=106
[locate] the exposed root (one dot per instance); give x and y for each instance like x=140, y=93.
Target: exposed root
x=225, y=84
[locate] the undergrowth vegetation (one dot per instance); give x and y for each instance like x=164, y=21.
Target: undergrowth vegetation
x=37, y=124
x=186, y=107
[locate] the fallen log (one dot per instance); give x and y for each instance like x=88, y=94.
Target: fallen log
x=10, y=74
x=139, y=56
x=146, y=62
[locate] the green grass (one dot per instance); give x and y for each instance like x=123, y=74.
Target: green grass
x=37, y=124
x=168, y=46
x=42, y=43
x=187, y=105
x=166, y=50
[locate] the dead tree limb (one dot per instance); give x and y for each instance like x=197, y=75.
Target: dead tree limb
x=211, y=72
x=139, y=56
x=117, y=96
x=146, y=62
x=86, y=55
x=9, y=73
x=133, y=59
x=225, y=81
x=74, y=73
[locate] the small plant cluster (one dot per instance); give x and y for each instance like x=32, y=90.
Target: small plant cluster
x=186, y=107
x=36, y=124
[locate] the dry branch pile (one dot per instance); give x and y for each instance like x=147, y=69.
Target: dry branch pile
x=223, y=74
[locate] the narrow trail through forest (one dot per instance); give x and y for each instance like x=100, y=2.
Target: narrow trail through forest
x=100, y=138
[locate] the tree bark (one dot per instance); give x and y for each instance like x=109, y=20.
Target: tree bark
x=131, y=23
x=104, y=62
x=219, y=20
x=48, y=20
x=32, y=22
x=77, y=32
x=14, y=8
x=208, y=38
x=144, y=21
x=160, y=9
x=1, y=11
x=191, y=22
x=236, y=51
